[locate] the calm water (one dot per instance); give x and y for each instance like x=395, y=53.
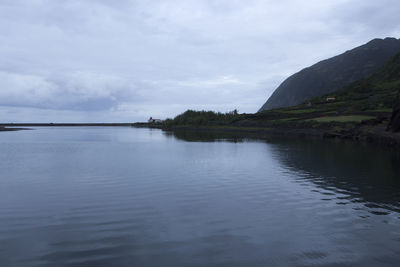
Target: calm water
x=140, y=197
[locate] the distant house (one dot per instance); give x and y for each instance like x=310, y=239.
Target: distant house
x=330, y=99
x=151, y=120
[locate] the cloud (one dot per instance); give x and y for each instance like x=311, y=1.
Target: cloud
x=133, y=59
x=218, y=81
x=84, y=91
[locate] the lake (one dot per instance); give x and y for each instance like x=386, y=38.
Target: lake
x=140, y=197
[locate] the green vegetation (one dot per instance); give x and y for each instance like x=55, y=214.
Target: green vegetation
x=376, y=93
x=385, y=110
x=297, y=111
x=351, y=118
x=202, y=118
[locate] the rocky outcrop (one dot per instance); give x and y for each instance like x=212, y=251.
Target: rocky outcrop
x=394, y=124
x=333, y=74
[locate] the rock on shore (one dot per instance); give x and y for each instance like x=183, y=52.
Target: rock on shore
x=394, y=124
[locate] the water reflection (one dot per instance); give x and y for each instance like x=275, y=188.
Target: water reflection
x=345, y=171
x=361, y=172
x=139, y=197
x=212, y=136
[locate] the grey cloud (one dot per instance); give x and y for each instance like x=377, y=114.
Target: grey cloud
x=126, y=59
x=77, y=91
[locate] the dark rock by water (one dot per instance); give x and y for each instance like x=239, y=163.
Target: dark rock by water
x=394, y=124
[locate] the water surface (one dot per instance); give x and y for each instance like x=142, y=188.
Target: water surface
x=141, y=197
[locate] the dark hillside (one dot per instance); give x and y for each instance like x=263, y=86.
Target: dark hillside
x=333, y=74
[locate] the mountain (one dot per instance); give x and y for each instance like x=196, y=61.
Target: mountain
x=333, y=74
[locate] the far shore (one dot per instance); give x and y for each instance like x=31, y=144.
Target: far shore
x=5, y=129
x=65, y=124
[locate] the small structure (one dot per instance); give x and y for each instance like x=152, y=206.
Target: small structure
x=151, y=120
x=330, y=99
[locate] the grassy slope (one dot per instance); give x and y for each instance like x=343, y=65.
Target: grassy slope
x=366, y=99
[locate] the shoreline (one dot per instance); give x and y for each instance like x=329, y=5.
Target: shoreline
x=5, y=129
x=66, y=124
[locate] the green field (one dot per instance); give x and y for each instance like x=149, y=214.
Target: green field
x=351, y=118
x=297, y=111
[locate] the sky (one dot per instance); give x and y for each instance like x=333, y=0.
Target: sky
x=124, y=61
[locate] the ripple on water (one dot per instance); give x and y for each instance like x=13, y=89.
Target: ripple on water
x=138, y=198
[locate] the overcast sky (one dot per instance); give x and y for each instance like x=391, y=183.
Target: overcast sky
x=123, y=61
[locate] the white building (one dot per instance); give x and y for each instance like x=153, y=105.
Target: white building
x=151, y=120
